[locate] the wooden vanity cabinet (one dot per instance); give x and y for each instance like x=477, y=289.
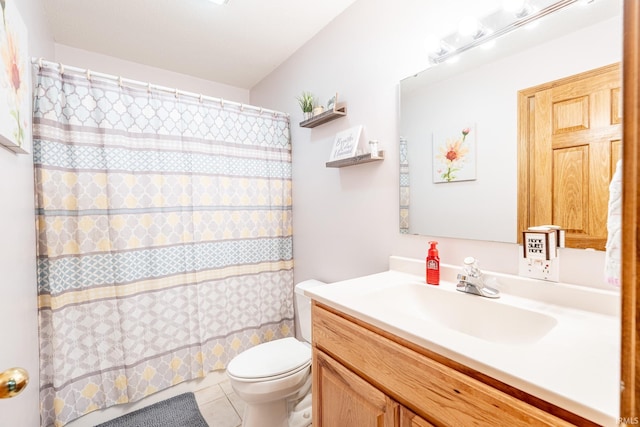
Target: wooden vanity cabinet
x=364, y=376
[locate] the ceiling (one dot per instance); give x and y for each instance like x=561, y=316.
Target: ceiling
x=237, y=44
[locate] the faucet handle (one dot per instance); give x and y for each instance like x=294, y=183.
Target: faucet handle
x=471, y=267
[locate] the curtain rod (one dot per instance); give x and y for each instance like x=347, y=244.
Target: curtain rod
x=40, y=62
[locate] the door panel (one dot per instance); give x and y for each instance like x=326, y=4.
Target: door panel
x=571, y=171
x=571, y=115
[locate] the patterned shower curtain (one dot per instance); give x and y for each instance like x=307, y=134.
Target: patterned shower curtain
x=404, y=186
x=164, y=238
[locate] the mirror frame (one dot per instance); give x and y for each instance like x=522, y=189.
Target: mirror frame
x=630, y=336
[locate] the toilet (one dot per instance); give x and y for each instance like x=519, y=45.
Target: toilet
x=274, y=378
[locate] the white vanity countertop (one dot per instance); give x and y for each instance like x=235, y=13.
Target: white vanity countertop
x=576, y=365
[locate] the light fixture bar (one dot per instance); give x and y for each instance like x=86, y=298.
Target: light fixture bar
x=503, y=22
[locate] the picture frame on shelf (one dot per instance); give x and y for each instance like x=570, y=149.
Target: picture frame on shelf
x=345, y=144
x=332, y=102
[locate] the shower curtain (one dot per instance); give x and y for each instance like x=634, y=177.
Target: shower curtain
x=164, y=237
x=404, y=187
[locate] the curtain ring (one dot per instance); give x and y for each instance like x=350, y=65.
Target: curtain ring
x=61, y=67
x=260, y=110
x=176, y=92
x=242, y=108
x=221, y=103
x=201, y=98
x=149, y=87
x=40, y=63
x=120, y=81
x=88, y=74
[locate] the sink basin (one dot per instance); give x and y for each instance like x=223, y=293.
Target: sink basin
x=472, y=315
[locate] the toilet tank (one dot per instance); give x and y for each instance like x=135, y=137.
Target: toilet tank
x=303, y=307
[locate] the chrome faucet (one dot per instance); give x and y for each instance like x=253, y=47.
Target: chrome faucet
x=472, y=281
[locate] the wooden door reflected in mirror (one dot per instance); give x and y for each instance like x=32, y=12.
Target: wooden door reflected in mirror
x=569, y=144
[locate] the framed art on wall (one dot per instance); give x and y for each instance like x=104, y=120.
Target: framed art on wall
x=15, y=86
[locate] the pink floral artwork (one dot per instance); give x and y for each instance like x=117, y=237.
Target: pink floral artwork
x=14, y=80
x=454, y=155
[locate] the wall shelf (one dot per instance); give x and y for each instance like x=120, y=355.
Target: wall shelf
x=325, y=117
x=356, y=160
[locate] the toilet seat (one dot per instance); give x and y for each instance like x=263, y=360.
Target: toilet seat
x=270, y=360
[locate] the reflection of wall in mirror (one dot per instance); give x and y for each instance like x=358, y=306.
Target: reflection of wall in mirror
x=486, y=209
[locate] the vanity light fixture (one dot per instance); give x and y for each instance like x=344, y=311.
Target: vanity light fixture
x=219, y=1
x=520, y=8
x=514, y=14
x=470, y=26
x=437, y=47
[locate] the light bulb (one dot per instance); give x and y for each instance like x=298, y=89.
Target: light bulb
x=468, y=26
x=513, y=6
x=432, y=43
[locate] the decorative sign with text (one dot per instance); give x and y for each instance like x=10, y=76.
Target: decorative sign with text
x=539, y=244
x=346, y=144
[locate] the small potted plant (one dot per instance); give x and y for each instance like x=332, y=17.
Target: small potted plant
x=306, y=104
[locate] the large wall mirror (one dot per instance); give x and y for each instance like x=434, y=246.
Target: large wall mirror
x=470, y=108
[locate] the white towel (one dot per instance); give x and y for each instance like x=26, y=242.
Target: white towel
x=612, y=263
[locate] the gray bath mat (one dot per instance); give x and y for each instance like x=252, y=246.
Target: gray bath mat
x=178, y=411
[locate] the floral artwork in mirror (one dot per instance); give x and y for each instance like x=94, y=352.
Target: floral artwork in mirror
x=15, y=96
x=454, y=155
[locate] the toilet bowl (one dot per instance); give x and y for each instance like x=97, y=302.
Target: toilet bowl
x=273, y=379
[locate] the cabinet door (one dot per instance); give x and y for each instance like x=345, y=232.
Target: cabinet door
x=409, y=419
x=341, y=398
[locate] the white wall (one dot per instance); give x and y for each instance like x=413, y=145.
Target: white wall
x=109, y=65
x=18, y=328
x=346, y=220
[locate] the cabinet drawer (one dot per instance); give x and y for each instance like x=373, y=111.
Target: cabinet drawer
x=436, y=392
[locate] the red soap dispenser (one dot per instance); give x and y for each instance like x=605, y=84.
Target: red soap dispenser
x=433, y=265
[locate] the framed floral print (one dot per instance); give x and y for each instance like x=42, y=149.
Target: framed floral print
x=15, y=86
x=454, y=154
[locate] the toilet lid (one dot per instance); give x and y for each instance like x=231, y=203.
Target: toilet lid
x=270, y=359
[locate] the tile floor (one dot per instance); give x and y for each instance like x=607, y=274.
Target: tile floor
x=219, y=405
